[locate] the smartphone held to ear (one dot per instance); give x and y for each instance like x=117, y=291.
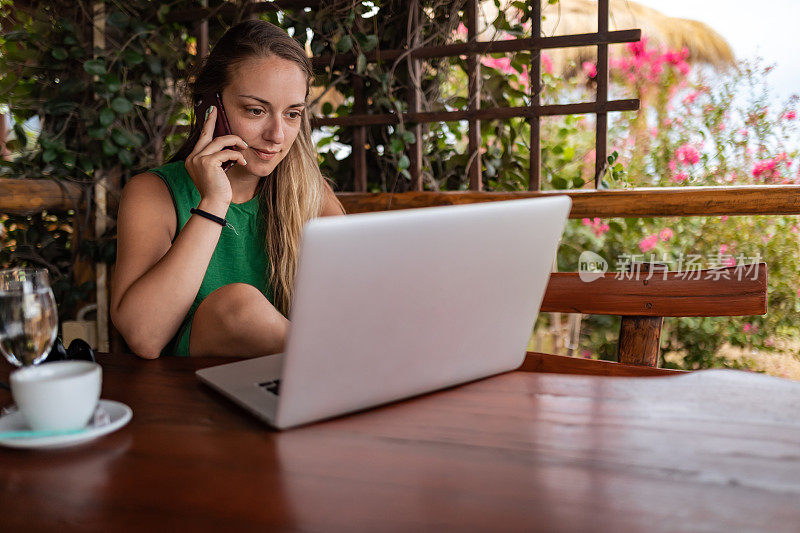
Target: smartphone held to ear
x=222, y=127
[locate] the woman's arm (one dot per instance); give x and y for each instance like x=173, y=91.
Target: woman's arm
x=155, y=281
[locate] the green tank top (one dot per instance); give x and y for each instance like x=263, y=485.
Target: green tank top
x=240, y=255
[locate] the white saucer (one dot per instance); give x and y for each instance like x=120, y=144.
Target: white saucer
x=119, y=413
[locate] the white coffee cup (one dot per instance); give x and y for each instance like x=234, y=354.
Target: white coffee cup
x=58, y=396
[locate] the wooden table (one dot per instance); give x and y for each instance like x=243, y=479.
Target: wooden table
x=706, y=451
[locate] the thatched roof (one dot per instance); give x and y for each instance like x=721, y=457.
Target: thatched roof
x=580, y=16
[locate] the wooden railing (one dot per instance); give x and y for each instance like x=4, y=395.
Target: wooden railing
x=24, y=197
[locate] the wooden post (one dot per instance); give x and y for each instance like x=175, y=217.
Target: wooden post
x=602, y=93
x=535, y=169
x=101, y=205
x=474, y=88
x=359, y=137
x=640, y=336
x=414, y=97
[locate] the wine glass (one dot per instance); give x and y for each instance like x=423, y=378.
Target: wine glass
x=28, y=316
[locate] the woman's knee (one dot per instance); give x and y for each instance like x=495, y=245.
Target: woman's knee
x=238, y=305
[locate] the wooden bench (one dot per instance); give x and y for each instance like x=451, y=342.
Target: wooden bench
x=643, y=299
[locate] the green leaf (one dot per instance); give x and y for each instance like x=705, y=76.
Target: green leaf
x=109, y=148
x=76, y=52
x=121, y=105
x=618, y=167
x=345, y=44
x=370, y=42
x=120, y=137
x=569, y=153
x=59, y=53
x=404, y=162
x=86, y=164
x=409, y=137
x=118, y=19
x=577, y=183
x=70, y=40
x=125, y=157
x=132, y=57
x=397, y=145
x=49, y=155
x=327, y=108
x=97, y=133
x=106, y=117
x=69, y=160
x=95, y=67
x=112, y=82
x=361, y=63
x=559, y=183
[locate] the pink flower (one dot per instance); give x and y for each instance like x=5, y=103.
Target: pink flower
x=790, y=115
x=680, y=177
x=687, y=154
x=666, y=234
x=648, y=243
x=597, y=225
x=723, y=248
x=547, y=63
x=723, y=218
x=590, y=69
x=503, y=64
x=747, y=327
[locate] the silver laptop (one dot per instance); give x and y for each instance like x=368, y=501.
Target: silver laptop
x=396, y=304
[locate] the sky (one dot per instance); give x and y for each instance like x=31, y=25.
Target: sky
x=765, y=28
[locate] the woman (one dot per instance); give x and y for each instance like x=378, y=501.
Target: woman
x=185, y=284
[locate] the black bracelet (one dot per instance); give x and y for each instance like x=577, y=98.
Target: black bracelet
x=205, y=214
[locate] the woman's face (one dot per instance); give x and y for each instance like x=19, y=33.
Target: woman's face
x=265, y=102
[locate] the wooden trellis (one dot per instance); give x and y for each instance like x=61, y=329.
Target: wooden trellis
x=414, y=118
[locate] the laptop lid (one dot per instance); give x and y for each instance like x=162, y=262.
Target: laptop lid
x=395, y=304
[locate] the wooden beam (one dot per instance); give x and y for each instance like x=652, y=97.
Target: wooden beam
x=484, y=47
x=28, y=197
x=631, y=203
x=728, y=291
x=562, y=364
x=479, y=114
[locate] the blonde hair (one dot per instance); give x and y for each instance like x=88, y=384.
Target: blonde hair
x=294, y=192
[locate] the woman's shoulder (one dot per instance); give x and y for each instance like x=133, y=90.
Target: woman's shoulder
x=147, y=197
x=145, y=189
